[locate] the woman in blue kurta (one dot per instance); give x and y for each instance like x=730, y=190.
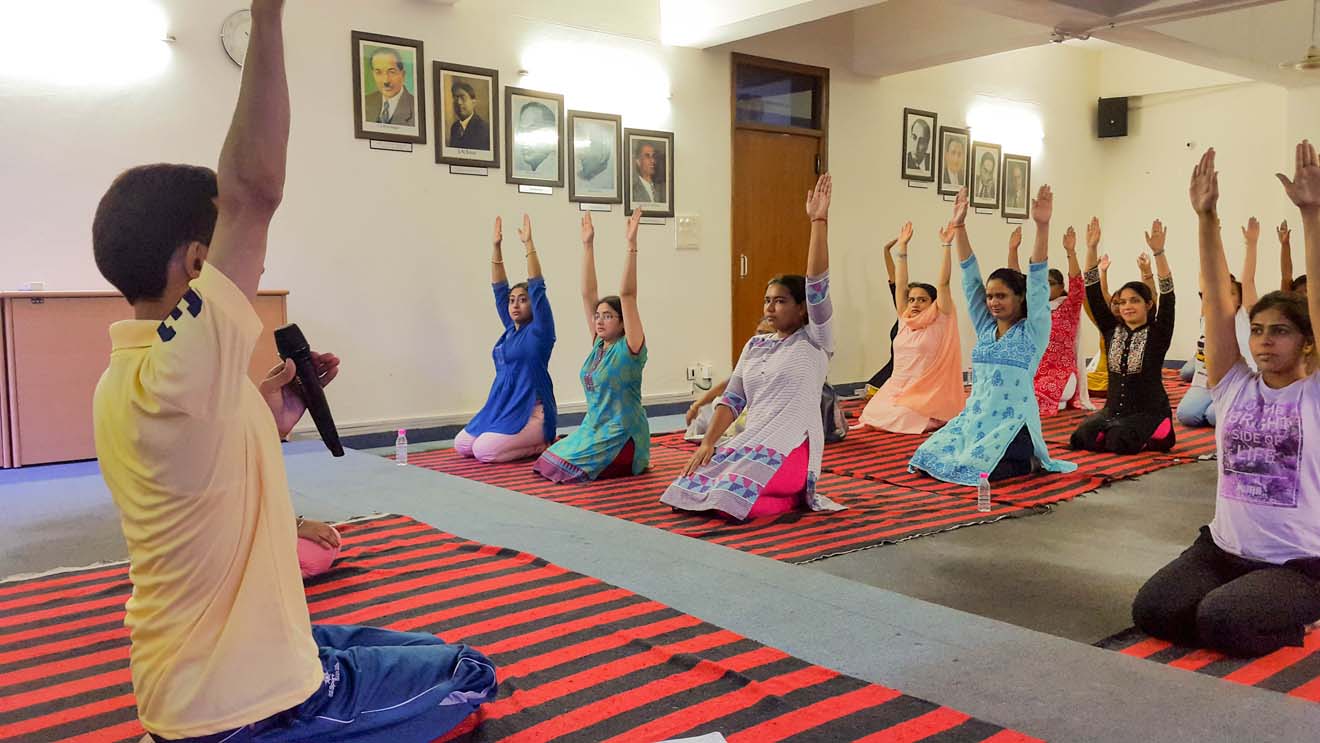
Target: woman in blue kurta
x=998, y=433
x=615, y=437
x=519, y=417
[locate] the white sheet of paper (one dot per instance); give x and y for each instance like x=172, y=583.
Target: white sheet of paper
x=707, y=738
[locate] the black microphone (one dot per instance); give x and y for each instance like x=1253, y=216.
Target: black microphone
x=292, y=345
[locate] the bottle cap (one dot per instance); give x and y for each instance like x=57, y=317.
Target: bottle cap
x=402, y=431
x=985, y=475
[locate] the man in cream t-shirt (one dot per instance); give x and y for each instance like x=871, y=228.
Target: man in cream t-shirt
x=222, y=645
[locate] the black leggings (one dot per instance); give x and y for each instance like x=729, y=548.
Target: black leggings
x=1121, y=435
x=1017, y=457
x=1210, y=598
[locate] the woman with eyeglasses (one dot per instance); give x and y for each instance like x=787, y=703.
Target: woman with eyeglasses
x=1250, y=583
x=926, y=387
x=1057, y=378
x=1137, y=415
x=772, y=467
x=614, y=439
x=519, y=417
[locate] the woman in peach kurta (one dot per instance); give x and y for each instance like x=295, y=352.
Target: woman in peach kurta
x=926, y=387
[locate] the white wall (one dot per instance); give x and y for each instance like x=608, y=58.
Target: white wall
x=412, y=317
x=1146, y=173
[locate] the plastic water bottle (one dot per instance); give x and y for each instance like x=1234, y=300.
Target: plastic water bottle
x=401, y=448
x=983, y=493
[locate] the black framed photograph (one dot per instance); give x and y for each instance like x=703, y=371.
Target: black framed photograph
x=389, y=88
x=467, y=115
x=984, y=191
x=1017, y=187
x=919, y=145
x=954, y=144
x=534, y=137
x=650, y=172
x=595, y=168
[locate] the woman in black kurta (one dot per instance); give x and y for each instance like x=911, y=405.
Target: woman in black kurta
x=1137, y=414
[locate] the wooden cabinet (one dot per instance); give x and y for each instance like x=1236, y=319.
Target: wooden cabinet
x=56, y=346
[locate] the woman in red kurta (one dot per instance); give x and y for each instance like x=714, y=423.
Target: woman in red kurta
x=1057, y=378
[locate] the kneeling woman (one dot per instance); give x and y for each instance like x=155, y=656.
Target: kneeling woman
x=1136, y=415
x=518, y=419
x=773, y=465
x=614, y=439
x=998, y=433
x=1250, y=584
x=926, y=388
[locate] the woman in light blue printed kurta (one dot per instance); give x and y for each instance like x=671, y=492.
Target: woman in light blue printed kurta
x=998, y=433
x=615, y=437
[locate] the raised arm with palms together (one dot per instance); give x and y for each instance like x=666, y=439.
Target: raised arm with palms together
x=1285, y=256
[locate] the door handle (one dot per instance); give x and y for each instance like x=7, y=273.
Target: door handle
x=742, y=264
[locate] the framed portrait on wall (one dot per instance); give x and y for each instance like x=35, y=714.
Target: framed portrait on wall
x=1017, y=187
x=595, y=170
x=918, y=145
x=389, y=88
x=467, y=115
x=984, y=190
x=954, y=144
x=650, y=172
x=534, y=137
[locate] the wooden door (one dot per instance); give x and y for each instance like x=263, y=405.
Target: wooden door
x=772, y=173
x=780, y=145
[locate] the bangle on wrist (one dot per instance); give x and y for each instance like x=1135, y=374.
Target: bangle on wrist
x=1157, y=255
x=300, y=521
x=946, y=245
x=498, y=263
x=819, y=219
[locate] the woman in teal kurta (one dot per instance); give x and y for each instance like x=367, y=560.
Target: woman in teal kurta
x=998, y=433
x=615, y=437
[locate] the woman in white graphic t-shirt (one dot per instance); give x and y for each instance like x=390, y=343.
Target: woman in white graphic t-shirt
x=1250, y=584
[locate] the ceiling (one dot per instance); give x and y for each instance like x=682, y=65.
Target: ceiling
x=1248, y=38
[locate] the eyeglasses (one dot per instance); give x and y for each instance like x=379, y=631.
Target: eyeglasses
x=606, y=316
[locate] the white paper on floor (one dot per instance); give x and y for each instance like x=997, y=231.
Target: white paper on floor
x=707, y=738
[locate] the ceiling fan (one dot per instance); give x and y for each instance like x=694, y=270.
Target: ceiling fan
x=1312, y=59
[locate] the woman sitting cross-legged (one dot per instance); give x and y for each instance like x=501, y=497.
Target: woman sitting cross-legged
x=772, y=467
x=1136, y=415
x=998, y=432
x=926, y=387
x=614, y=438
x=519, y=417
x=1250, y=583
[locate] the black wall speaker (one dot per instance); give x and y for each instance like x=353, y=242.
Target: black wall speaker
x=1111, y=119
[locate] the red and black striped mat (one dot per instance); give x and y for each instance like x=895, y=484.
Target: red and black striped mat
x=578, y=659
x=866, y=472
x=1292, y=671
